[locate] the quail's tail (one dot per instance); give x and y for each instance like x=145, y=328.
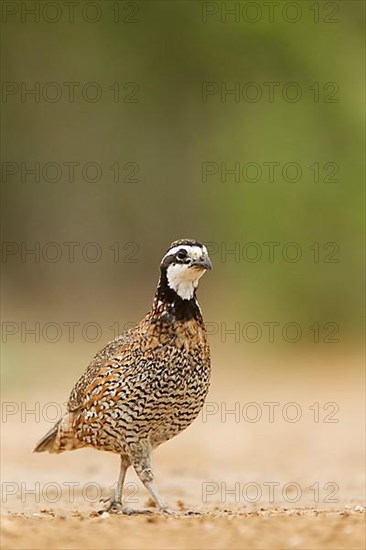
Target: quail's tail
x=60, y=438
x=47, y=443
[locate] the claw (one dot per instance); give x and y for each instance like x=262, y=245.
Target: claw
x=168, y=511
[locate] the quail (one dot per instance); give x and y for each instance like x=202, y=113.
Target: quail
x=148, y=384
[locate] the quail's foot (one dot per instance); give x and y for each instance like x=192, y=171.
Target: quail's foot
x=115, y=506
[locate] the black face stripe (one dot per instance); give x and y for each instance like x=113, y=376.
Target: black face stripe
x=173, y=259
x=167, y=261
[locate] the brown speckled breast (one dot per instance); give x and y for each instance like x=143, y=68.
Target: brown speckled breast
x=150, y=383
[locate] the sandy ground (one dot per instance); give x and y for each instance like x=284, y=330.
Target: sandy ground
x=273, y=483
x=307, y=529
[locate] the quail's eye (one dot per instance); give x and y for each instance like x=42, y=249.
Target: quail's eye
x=181, y=254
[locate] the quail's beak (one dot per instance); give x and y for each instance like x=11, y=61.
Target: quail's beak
x=203, y=263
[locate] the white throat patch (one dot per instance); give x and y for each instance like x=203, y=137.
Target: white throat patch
x=183, y=280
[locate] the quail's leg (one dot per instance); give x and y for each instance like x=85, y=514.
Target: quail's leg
x=142, y=465
x=115, y=502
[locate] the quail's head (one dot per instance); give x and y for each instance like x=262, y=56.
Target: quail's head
x=183, y=265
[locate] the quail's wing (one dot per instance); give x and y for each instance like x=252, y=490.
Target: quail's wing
x=92, y=372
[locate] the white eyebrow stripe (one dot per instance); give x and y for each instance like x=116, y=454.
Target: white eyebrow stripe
x=191, y=249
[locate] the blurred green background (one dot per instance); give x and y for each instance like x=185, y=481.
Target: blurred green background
x=163, y=54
